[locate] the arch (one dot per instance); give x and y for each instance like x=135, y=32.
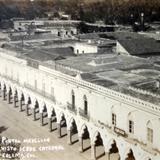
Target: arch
x=4, y=90
x=14, y=89
x=53, y=112
x=112, y=146
x=74, y=127
x=23, y=97
x=85, y=138
x=21, y=100
x=71, y=121
x=63, y=126
x=73, y=132
x=44, y=115
x=36, y=104
x=4, y=86
x=52, y=120
x=129, y=155
x=113, y=150
x=98, y=139
x=10, y=90
x=35, y=110
x=83, y=128
x=29, y=101
x=95, y=136
x=15, y=92
x=61, y=116
x=44, y=108
x=19, y=94
x=33, y=100
x=15, y=97
x=99, y=149
x=8, y=93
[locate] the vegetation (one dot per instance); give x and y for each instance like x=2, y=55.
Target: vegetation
x=109, y=11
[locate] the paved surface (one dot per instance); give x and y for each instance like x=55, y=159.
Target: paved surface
x=22, y=127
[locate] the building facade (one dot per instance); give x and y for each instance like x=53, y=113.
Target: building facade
x=115, y=124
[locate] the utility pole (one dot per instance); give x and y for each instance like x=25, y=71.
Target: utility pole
x=142, y=21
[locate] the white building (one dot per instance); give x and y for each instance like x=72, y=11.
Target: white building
x=97, y=103
x=58, y=27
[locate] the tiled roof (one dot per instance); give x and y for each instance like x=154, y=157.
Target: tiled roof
x=140, y=46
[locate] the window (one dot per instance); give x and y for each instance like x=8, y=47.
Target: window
x=113, y=119
x=85, y=105
x=149, y=132
x=150, y=135
x=131, y=126
x=73, y=99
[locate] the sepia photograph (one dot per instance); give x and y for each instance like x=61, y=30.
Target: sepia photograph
x=79, y=79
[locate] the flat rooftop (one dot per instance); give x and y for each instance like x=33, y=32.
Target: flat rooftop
x=128, y=74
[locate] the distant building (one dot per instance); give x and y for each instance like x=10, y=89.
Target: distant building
x=139, y=47
x=58, y=27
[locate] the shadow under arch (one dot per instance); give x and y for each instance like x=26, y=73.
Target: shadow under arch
x=113, y=150
x=62, y=130
x=22, y=102
x=130, y=155
x=73, y=132
x=44, y=115
x=99, y=147
x=35, y=110
x=28, y=102
x=85, y=142
x=53, y=121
